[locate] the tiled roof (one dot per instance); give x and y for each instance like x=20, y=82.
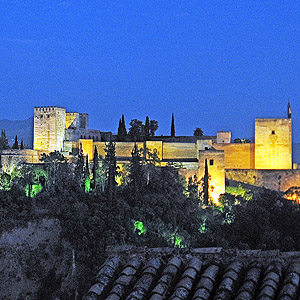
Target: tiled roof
x=198, y=274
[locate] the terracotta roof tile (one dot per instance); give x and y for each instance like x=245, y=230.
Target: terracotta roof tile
x=213, y=274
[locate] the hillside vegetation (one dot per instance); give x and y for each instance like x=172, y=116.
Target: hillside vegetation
x=98, y=205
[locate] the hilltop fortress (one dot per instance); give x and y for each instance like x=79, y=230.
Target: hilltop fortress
x=267, y=161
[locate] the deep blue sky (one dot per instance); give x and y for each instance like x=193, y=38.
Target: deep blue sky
x=216, y=64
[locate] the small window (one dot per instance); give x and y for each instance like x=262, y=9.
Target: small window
x=205, y=148
x=211, y=162
x=41, y=116
x=48, y=116
x=273, y=131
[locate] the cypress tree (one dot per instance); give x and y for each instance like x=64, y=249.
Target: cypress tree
x=136, y=173
x=111, y=172
x=3, y=140
x=79, y=169
x=95, y=168
x=173, y=126
x=120, y=129
x=87, y=180
x=16, y=144
x=205, y=184
x=22, y=145
x=147, y=128
x=124, y=126
x=122, y=132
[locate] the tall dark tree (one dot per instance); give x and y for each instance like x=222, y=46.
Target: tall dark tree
x=205, y=184
x=124, y=126
x=16, y=144
x=122, y=132
x=111, y=172
x=173, y=126
x=95, y=168
x=22, y=145
x=147, y=128
x=57, y=168
x=136, y=172
x=120, y=128
x=136, y=130
x=87, y=182
x=153, y=127
x=79, y=172
x=198, y=132
x=3, y=140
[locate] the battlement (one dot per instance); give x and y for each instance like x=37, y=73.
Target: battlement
x=45, y=108
x=72, y=113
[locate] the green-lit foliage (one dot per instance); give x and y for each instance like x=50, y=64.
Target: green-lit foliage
x=87, y=185
x=203, y=228
x=35, y=189
x=177, y=241
x=239, y=191
x=139, y=227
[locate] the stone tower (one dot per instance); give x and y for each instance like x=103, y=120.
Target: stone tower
x=273, y=143
x=216, y=170
x=49, y=128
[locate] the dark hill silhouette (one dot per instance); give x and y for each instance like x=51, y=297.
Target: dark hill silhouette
x=22, y=128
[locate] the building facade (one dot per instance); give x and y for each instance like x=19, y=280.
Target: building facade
x=56, y=129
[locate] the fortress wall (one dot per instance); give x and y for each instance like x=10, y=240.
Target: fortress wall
x=273, y=144
x=189, y=170
x=179, y=150
x=72, y=120
x=204, y=144
x=10, y=157
x=87, y=147
x=216, y=164
x=123, y=149
x=238, y=156
x=279, y=180
x=71, y=147
x=158, y=145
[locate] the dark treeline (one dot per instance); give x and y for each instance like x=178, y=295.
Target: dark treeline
x=142, y=204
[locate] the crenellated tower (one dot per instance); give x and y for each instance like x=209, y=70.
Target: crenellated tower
x=273, y=143
x=49, y=128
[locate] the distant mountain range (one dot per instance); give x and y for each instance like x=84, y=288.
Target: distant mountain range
x=22, y=128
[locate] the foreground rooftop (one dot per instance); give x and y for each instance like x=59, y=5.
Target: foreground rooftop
x=197, y=274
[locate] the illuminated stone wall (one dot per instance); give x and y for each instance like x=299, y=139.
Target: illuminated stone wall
x=273, y=144
x=11, y=158
x=279, y=180
x=72, y=120
x=87, y=147
x=49, y=128
x=179, y=150
x=224, y=137
x=216, y=170
x=238, y=156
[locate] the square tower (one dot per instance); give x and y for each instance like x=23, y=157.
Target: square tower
x=49, y=128
x=273, y=144
x=216, y=170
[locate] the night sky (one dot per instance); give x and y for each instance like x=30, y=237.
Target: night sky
x=216, y=64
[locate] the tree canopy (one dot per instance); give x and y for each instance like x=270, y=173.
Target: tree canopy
x=198, y=132
x=139, y=131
